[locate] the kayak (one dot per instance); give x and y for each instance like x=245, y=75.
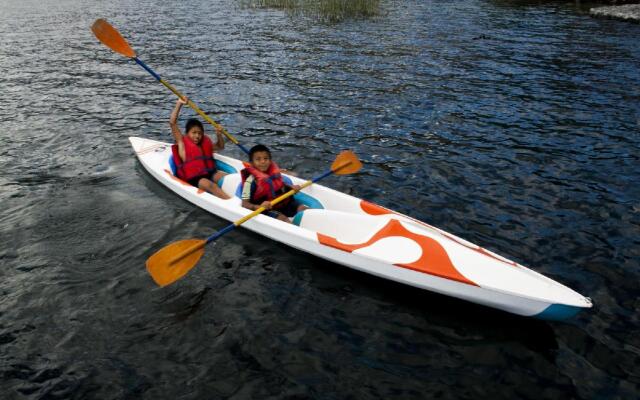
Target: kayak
x=373, y=239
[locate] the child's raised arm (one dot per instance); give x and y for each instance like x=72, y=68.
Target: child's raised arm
x=175, y=131
x=219, y=144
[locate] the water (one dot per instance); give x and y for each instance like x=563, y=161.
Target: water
x=511, y=124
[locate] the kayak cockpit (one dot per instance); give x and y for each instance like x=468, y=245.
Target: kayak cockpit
x=231, y=183
x=220, y=165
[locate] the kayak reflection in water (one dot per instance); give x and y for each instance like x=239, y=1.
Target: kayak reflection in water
x=193, y=153
x=262, y=182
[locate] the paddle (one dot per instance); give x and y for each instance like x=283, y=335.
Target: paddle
x=172, y=262
x=110, y=37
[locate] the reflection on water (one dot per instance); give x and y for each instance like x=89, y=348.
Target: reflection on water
x=324, y=10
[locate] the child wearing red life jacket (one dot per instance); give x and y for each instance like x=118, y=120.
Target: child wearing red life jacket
x=193, y=154
x=262, y=182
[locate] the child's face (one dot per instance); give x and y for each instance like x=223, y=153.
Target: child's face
x=261, y=160
x=195, y=134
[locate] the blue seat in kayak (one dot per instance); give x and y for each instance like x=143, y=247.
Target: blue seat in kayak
x=304, y=198
x=307, y=200
x=225, y=167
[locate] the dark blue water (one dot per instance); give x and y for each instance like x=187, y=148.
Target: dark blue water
x=514, y=125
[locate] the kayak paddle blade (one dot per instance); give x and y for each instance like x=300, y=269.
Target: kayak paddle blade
x=111, y=38
x=165, y=268
x=346, y=163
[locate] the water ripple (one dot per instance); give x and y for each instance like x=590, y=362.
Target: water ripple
x=511, y=124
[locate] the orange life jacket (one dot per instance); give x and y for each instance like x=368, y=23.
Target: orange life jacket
x=199, y=161
x=269, y=184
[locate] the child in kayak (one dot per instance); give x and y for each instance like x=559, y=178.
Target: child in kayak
x=193, y=154
x=262, y=182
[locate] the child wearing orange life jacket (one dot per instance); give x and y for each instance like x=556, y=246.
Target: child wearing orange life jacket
x=193, y=154
x=262, y=182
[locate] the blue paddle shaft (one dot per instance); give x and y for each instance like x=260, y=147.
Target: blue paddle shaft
x=317, y=178
x=243, y=148
x=146, y=67
x=221, y=232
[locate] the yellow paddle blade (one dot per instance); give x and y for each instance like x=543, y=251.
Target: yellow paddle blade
x=108, y=35
x=346, y=163
x=166, y=269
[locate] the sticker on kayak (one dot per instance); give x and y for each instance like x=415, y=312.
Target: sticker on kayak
x=430, y=258
x=374, y=209
x=153, y=148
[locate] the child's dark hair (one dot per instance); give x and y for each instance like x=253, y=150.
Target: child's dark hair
x=191, y=123
x=257, y=148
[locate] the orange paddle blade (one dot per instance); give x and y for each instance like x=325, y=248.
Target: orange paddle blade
x=108, y=35
x=346, y=163
x=166, y=269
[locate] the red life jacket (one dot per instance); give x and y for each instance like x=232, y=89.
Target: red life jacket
x=199, y=161
x=269, y=185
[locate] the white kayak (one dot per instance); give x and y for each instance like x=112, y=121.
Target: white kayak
x=370, y=238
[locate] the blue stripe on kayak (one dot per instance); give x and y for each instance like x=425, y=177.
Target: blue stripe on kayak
x=307, y=200
x=303, y=198
x=172, y=165
x=557, y=312
x=297, y=219
x=225, y=167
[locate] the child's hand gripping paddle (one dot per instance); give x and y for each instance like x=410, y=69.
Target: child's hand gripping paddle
x=110, y=37
x=172, y=262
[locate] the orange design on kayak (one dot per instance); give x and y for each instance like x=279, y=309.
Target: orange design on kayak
x=434, y=259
